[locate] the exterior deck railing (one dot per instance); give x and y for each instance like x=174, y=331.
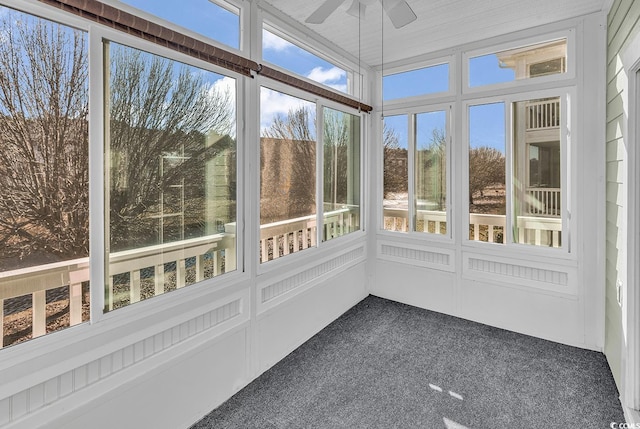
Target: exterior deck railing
x=543, y=114
x=163, y=267
x=537, y=230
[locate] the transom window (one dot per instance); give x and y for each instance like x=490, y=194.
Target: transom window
x=202, y=16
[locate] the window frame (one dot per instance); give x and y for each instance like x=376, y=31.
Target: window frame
x=98, y=178
x=567, y=172
x=321, y=245
x=356, y=72
x=516, y=84
x=231, y=6
x=450, y=60
x=412, y=113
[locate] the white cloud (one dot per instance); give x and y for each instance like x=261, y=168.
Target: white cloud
x=326, y=76
x=226, y=85
x=273, y=103
x=271, y=41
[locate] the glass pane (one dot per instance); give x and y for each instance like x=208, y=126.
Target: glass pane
x=487, y=197
x=287, y=175
x=428, y=80
x=171, y=164
x=341, y=187
x=395, y=197
x=519, y=63
x=537, y=172
x=44, y=176
x=431, y=173
x=280, y=52
x=202, y=16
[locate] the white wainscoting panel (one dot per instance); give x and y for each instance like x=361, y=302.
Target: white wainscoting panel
x=421, y=256
x=45, y=402
x=283, y=328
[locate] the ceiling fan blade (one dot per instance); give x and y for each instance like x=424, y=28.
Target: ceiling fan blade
x=400, y=13
x=323, y=11
x=357, y=8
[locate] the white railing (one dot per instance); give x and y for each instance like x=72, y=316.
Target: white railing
x=281, y=238
x=133, y=271
x=543, y=114
x=543, y=201
x=540, y=231
x=194, y=259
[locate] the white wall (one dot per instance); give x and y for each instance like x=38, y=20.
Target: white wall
x=549, y=293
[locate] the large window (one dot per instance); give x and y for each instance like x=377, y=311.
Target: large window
x=287, y=174
x=171, y=164
x=341, y=173
x=44, y=176
x=395, y=192
x=537, y=172
x=415, y=152
x=487, y=185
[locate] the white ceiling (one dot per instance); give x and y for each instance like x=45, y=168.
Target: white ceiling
x=441, y=24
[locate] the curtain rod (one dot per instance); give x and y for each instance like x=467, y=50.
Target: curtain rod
x=126, y=22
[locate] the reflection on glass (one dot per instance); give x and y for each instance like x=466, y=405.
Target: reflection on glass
x=341, y=187
x=431, y=173
x=202, y=16
x=287, y=176
x=487, y=197
x=428, y=80
x=285, y=54
x=519, y=63
x=395, y=198
x=44, y=176
x=537, y=172
x=171, y=164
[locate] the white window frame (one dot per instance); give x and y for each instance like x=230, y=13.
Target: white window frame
x=568, y=75
x=229, y=6
x=98, y=195
x=567, y=169
x=357, y=73
x=412, y=114
x=321, y=246
x=428, y=97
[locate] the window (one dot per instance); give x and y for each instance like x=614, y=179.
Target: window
x=293, y=58
x=415, y=146
x=427, y=80
x=430, y=198
x=536, y=166
x=537, y=172
x=341, y=173
x=202, y=16
x=171, y=155
x=44, y=175
x=287, y=175
x=526, y=62
x=487, y=186
x=395, y=195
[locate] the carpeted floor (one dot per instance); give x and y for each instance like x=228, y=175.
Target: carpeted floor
x=389, y=365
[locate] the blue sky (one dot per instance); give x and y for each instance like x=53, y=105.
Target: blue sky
x=486, y=123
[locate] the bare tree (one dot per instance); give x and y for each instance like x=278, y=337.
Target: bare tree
x=161, y=115
x=486, y=168
x=396, y=161
x=288, y=165
x=43, y=141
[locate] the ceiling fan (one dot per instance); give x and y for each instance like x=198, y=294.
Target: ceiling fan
x=399, y=11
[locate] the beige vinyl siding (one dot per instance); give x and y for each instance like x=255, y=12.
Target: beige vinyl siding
x=623, y=23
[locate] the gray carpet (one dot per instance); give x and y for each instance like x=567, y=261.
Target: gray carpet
x=389, y=365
